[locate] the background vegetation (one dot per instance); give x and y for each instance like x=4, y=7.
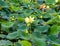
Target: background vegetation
x=29, y=22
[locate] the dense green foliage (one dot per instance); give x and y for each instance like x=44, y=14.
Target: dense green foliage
x=29, y=23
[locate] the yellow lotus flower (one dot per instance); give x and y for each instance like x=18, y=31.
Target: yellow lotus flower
x=12, y=18
x=56, y=0
x=41, y=17
x=48, y=7
x=26, y=31
x=59, y=16
x=29, y=20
